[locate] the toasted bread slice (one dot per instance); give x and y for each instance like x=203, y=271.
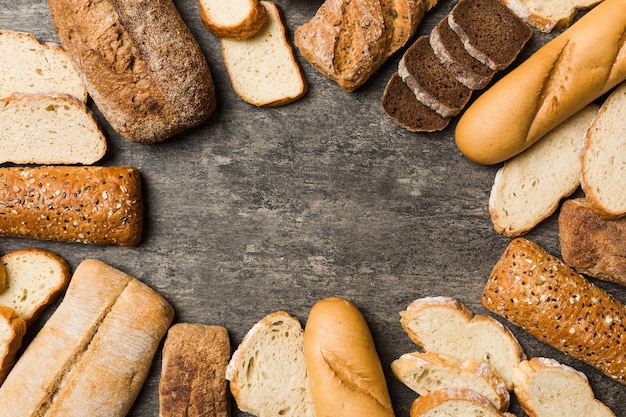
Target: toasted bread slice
x=237, y=19
x=12, y=330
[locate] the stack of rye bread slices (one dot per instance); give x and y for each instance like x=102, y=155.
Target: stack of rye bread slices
x=438, y=73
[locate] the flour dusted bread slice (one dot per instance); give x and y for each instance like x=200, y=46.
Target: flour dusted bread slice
x=267, y=373
x=31, y=66
x=529, y=186
x=427, y=372
x=445, y=326
x=453, y=402
x=603, y=157
x=263, y=68
x=238, y=19
x=547, y=388
x=12, y=330
x=548, y=15
x=35, y=279
x=49, y=129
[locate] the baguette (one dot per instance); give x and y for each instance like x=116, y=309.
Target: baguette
x=562, y=77
x=344, y=368
x=88, y=204
x=541, y=294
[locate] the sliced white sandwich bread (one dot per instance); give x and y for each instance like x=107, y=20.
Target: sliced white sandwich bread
x=547, y=388
x=454, y=403
x=238, y=19
x=427, y=372
x=445, y=326
x=267, y=372
x=29, y=66
x=548, y=15
x=527, y=189
x=49, y=129
x=35, y=279
x=263, y=68
x=12, y=330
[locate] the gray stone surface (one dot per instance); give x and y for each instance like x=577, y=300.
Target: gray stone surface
x=259, y=210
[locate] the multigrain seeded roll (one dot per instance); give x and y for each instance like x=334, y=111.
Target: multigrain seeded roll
x=541, y=294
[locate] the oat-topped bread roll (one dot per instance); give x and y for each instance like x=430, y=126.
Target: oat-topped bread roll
x=88, y=204
x=141, y=64
x=541, y=294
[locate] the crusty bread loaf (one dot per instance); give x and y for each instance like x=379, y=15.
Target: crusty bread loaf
x=193, y=372
x=590, y=244
x=267, y=373
x=603, y=157
x=233, y=19
x=539, y=293
x=12, y=331
x=35, y=279
x=263, y=68
x=548, y=15
x=30, y=66
x=547, y=388
x=527, y=189
x=142, y=66
x=445, y=326
x=90, y=204
x=558, y=80
x=345, y=371
x=427, y=372
x=453, y=402
x=49, y=129
x=93, y=354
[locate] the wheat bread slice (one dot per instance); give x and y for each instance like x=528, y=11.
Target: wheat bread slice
x=453, y=402
x=237, y=19
x=267, y=372
x=35, y=279
x=549, y=15
x=12, y=331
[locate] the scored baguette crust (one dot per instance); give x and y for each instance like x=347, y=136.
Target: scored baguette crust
x=247, y=26
x=562, y=77
x=541, y=294
x=12, y=331
x=88, y=204
x=464, y=401
x=344, y=368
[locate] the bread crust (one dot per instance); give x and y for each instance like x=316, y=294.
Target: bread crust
x=243, y=29
x=345, y=371
x=140, y=63
x=464, y=397
x=9, y=347
x=562, y=77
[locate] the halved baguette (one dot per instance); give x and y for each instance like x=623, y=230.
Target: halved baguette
x=549, y=15
x=237, y=19
x=453, y=402
x=12, y=330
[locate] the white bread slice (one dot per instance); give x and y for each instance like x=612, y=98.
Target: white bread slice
x=603, y=157
x=48, y=129
x=527, y=189
x=29, y=66
x=238, y=19
x=445, y=326
x=547, y=388
x=453, y=402
x=12, y=330
x=427, y=372
x=263, y=69
x=35, y=279
x=267, y=373
x=547, y=15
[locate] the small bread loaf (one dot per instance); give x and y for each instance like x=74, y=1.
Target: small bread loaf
x=458, y=402
x=345, y=371
x=142, y=66
x=590, y=244
x=562, y=77
x=548, y=15
x=12, y=331
x=94, y=353
x=541, y=294
x=91, y=204
x=547, y=388
x=193, y=372
x=233, y=19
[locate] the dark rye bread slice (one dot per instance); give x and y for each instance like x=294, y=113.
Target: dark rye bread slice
x=403, y=107
x=490, y=31
x=450, y=50
x=431, y=81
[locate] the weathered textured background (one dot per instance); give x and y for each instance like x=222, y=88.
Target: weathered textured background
x=259, y=210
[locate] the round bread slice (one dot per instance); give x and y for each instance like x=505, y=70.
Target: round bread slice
x=453, y=403
x=237, y=19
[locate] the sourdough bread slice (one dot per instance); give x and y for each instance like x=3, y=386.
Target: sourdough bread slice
x=238, y=19
x=445, y=326
x=547, y=388
x=548, y=15
x=267, y=373
x=35, y=279
x=528, y=188
x=263, y=68
x=49, y=129
x=427, y=372
x=453, y=403
x=29, y=66
x=603, y=157
x=12, y=330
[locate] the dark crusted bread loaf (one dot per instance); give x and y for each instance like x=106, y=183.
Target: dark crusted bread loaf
x=141, y=64
x=541, y=294
x=88, y=204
